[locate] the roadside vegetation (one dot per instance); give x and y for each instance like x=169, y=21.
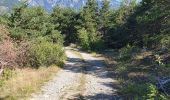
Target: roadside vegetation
x=138, y=72
x=29, y=46
x=139, y=33
x=21, y=83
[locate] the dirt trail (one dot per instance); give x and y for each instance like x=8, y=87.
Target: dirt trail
x=84, y=77
x=99, y=84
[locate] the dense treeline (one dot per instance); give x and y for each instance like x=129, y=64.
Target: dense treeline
x=95, y=27
x=143, y=24
x=148, y=25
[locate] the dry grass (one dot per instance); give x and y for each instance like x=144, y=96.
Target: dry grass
x=25, y=82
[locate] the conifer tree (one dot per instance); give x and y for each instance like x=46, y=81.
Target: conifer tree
x=65, y=20
x=89, y=15
x=89, y=26
x=104, y=18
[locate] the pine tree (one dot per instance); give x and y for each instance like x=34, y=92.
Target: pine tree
x=65, y=20
x=104, y=18
x=89, y=15
x=89, y=27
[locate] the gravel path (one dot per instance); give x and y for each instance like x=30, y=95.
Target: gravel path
x=65, y=82
x=85, y=79
x=99, y=85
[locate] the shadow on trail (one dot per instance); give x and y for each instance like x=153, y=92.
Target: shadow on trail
x=99, y=96
x=92, y=67
x=96, y=68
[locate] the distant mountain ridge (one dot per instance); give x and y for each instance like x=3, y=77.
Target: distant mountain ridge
x=67, y=3
x=49, y=4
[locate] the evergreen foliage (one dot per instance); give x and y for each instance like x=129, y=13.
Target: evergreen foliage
x=104, y=16
x=43, y=42
x=65, y=20
x=89, y=36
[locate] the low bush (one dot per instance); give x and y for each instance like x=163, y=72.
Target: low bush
x=55, y=37
x=96, y=41
x=121, y=68
x=3, y=20
x=165, y=42
x=8, y=53
x=17, y=34
x=12, y=54
x=126, y=53
x=146, y=91
x=45, y=53
x=89, y=40
x=23, y=54
x=84, y=39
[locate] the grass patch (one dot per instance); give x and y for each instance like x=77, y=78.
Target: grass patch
x=25, y=82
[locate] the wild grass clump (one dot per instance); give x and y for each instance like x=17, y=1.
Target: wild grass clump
x=6, y=75
x=23, y=82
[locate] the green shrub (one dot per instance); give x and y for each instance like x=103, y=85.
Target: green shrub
x=144, y=91
x=165, y=42
x=122, y=67
x=3, y=20
x=44, y=53
x=127, y=52
x=56, y=37
x=90, y=40
x=7, y=74
x=83, y=36
x=152, y=41
x=96, y=41
x=17, y=34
